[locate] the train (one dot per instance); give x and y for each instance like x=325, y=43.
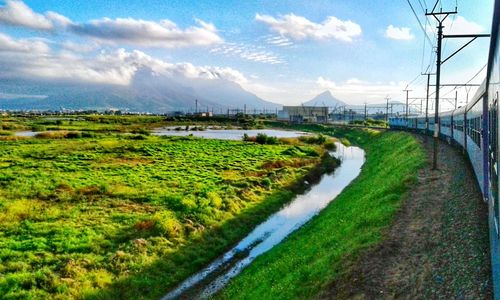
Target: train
x=474, y=128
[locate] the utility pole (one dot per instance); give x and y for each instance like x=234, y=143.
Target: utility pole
x=440, y=20
x=456, y=99
x=365, y=115
x=427, y=105
x=440, y=17
x=387, y=111
x=407, y=91
x=196, y=110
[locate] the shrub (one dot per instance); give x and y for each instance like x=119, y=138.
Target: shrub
x=73, y=135
x=266, y=182
x=215, y=199
x=330, y=145
x=261, y=138
x=166, y=224
x=315, y=140
x=142, y=131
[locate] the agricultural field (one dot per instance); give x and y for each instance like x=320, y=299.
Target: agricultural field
x=130, y=215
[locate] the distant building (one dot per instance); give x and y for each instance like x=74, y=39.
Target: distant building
x=304, y=114
x=205, y=114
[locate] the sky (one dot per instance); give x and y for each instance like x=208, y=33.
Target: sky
x=283, y=51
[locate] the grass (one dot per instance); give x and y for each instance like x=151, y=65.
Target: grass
x=106, y=124
x=118, y=216
x=313, y=257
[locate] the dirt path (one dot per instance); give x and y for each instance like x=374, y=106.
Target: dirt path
x=438, y=246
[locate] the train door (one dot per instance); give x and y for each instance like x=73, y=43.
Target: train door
x=493, y=158
x=452, y=129
x=466, y=130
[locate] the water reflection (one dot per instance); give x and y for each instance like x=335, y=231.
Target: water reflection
x=279, y=225
x=228, y=134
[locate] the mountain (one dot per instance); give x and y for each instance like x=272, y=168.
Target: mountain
x=147, y=92
x=324, y=99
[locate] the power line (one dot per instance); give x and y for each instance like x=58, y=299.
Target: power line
x=477, y=73
x=421, y=6
x=419, y=22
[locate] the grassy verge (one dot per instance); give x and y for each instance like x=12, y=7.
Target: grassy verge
x=313, y=257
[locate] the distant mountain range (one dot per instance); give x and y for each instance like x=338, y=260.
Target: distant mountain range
x=147, y=92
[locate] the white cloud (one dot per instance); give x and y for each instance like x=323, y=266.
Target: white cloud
x=279, y=41
x=399, y=33
x=461, y=26
x=248, y=52
x=17, y=13
x=359, y=90
x=58, y=19
x=8, y=44
x=300, y=28
x=326, y=83
x=79, y=47
x=30, y=59
x=164, y=34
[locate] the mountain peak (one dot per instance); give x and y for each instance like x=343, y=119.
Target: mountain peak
x=325, y=93
x=324, y=99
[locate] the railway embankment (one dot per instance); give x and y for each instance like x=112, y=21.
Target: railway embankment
x=437, y=246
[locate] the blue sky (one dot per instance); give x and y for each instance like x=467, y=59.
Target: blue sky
x=283, y=51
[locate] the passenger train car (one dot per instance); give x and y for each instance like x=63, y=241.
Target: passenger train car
x=474, y=128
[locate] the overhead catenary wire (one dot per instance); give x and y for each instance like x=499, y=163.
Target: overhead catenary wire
x=419, y=22
x=470, y=80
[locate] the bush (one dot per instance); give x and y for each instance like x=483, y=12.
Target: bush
x=315, y=140
x=142, y=131
x=266, y=182
x=330, y=145
x=166, y=224
x=73, y=135
x=263, y=139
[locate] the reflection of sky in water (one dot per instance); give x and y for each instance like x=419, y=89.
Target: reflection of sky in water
x=281, y=224
x=25, y=133
x=229, y=134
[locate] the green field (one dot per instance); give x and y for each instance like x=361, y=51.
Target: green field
x=315, y=255
x=99, y=209
x=129, y=216
x=108, y=124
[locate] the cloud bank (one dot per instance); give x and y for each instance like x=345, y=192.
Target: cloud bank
x=33, y=59
x=300, y=28
x=163, y=34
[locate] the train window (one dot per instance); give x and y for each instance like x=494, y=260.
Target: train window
x=459, y=125
x=474, y=130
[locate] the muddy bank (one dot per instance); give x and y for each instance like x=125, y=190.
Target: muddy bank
x=438, y=246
